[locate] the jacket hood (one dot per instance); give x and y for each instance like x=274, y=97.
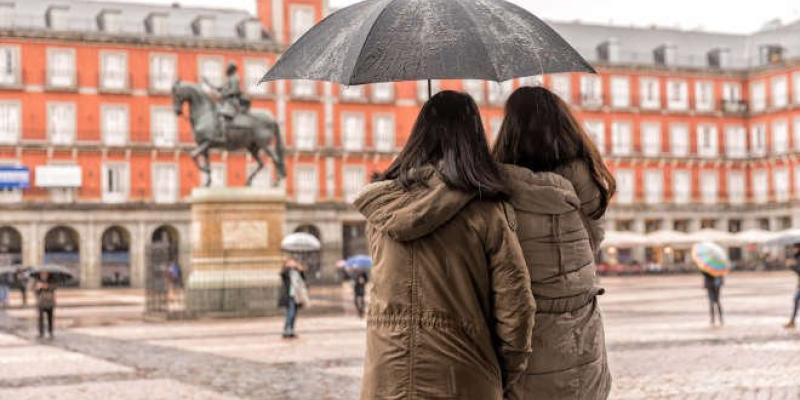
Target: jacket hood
x=406, y=215
x=540, y=192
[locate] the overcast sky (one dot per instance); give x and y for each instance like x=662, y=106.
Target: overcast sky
x=713, y=15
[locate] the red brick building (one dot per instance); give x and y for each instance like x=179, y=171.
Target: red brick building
x=701, y=129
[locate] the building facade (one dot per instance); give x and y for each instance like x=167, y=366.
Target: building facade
x=702, y=130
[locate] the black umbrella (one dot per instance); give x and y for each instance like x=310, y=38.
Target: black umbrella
x=55, y=273
x=400, y=40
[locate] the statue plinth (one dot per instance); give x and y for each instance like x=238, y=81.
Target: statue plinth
x=236, y=255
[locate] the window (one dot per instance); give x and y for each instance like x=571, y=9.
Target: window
x=354, y=180
x=499, y=92
x=735, y=141
x=384, y=133
x=591, y=91
x=796, y=87
x=353, y=131
x=709, y=187
x=704, y=95
x=679, y=140
x=780, y=136
x=383, y=92
x=621, y=138
x=780, y=182
x=61, y=123
x=780, y=92
x=164, y=127
x=707, y=143
x=653, y=186
x=620, y=92
x=304, y=88
x=252, y=30
x=475, y=89
x=760, y=189
x=302, y=21
x=211, y=70
x=560, y=85
x=61, y=68
x=253, y=71
x=204, y=26
x=9, y=122
x=422, y=89
x=305, y=130
x=597, y=131
x=352, y=93
x=157, y=24
x=796, y=134
x=758, y=140
x=162, y=72
x=677, y=95
x=650, y=93
x=306, y=184
x=651, y=138
x=731, y=92
x=116, y=182
x=219, y=175
x=681, y=187
x=113, y=70
x=758, y=96
x=9, y=65
x=625, y=184
x=114, y=125
x=165, y=183
x=736, y=184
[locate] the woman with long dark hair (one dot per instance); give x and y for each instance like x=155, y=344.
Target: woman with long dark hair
x=451, y=311
x=560, y=189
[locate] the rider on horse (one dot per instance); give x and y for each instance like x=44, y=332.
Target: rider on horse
x=231, y=99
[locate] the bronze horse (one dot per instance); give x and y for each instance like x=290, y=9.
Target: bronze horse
x=246, y=131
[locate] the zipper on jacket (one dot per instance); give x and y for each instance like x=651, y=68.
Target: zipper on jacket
x=412, y=337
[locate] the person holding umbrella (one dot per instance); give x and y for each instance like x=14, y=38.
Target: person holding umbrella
x=796, y=269
x=712, y=261
x=294, y=293
x=45, y=290
x=359, y=266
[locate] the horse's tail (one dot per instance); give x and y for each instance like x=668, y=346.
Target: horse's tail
x=279, y=150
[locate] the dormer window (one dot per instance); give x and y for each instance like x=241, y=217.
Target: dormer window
x=109, y=21
x=156, y=24
x=56, y=17
x=719, y=58
x=250, y=29
x=203, y=26
x=770, y=54
x=665, y=55
x=608, y=51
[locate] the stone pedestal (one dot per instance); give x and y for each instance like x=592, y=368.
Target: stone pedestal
x=236, y=256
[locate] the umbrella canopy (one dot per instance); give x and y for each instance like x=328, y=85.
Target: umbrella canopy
x=56, y=273
x=300, y=241
x=753, y=236
x=360, y=261
x=622, y=239
x=401, y=40
x=711, y=258
x=667, y=238
x=785, y=238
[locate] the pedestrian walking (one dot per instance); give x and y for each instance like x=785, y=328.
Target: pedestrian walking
x=713, y=284
x=796, y=269
x=45, y=302
x=294, y=294
x=560, y=189
x=451, y=311
x=359, y=289
x=21, y=282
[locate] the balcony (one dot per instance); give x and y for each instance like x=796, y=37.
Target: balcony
x=738, y=107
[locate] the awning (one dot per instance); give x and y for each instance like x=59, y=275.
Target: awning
x=14, y=177
x=58, y=176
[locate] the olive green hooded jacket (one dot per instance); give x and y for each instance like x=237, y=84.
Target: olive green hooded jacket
x=451, y=310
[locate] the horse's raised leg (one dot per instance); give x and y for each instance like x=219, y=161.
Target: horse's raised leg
x=254, y=152
x=275, y=161
x=207, y=170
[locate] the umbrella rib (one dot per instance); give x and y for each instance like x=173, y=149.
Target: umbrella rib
x=366, y=38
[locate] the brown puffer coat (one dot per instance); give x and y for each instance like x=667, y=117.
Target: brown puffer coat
x=451, y=311
x=559, y=241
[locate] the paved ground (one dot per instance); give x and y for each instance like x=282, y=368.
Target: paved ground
x=660, y=347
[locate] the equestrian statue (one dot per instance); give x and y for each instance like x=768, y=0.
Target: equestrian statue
x=228, y=125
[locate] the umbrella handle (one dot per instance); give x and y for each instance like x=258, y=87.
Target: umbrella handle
x=430, y=89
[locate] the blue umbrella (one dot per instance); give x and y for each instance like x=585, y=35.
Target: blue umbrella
x=359, y=262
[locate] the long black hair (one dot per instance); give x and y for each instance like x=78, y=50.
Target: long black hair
x=540, y=133
x=449, y=136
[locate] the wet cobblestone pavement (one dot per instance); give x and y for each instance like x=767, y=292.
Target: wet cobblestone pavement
x=660, y=347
